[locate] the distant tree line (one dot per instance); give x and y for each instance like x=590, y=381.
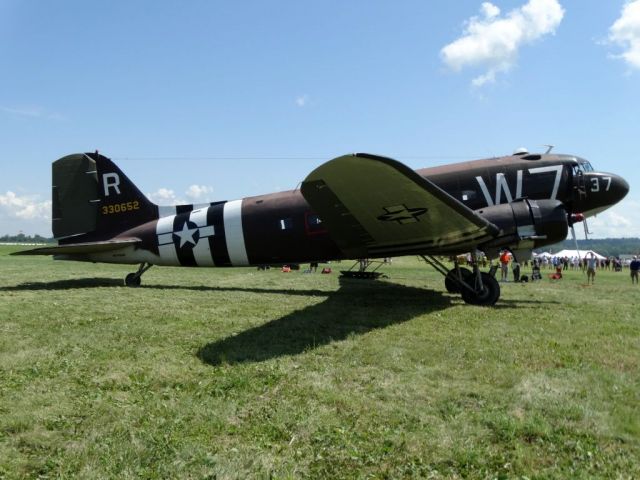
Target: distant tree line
x=22, y=238
x=609, y=247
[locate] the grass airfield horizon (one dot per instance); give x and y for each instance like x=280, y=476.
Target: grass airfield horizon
x=236, y=373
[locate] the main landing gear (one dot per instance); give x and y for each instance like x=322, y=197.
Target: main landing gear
x=476, y=287
x=134, y=279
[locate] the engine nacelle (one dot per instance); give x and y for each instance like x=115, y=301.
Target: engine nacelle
x=526, y=224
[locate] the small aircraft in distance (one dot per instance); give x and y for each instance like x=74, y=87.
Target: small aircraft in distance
x=357, y=206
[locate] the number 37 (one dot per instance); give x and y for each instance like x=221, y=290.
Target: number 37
x=595, y=184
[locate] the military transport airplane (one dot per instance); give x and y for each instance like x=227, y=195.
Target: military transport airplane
x=352, y=207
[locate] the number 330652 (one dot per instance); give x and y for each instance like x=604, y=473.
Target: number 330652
x=120, y=207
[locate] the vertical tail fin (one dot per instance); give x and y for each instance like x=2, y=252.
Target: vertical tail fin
x=90, y=194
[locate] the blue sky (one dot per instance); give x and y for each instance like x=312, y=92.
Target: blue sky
x=201, y=101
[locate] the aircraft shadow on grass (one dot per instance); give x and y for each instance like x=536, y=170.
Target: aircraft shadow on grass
x=80, y=283
x=69, y=284
x=357, y=307
x=354, y=309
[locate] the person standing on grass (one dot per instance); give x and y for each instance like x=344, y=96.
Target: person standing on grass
x=504, y=266
x=634, y=267
x=515, y=267
x=592, y=261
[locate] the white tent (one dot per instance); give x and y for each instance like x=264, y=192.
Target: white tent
x=578, y=253
x=543, y=254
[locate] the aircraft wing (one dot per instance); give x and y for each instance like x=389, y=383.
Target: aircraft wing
x=81, y=248
x=375, y=206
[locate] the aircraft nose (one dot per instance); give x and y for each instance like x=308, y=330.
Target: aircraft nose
x=618, y=188
x=603, y=190
x=623, y=186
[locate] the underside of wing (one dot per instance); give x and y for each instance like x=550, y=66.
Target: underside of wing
x=375, y=206
x=81, y=248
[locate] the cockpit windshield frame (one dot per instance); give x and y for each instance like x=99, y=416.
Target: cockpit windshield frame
x=584, y=165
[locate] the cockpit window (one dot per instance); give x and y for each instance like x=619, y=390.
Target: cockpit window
x=585, y=166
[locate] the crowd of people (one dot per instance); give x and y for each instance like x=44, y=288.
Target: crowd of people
x=577, y=263
x=588, y=264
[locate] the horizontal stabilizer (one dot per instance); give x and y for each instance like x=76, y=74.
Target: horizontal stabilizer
x=81, y=248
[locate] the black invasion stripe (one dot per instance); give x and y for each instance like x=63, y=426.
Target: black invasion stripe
x=183, y=209
x=185, y=254
x=218, y=242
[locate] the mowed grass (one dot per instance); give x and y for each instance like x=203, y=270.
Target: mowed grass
x=235, y=373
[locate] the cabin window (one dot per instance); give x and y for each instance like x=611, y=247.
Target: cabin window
x=468, y=195
x=313, y=224
x=286, y=224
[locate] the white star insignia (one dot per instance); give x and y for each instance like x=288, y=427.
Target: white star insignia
x=186, y=235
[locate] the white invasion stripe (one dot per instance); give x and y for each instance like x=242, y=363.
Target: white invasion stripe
x=232, y=215
x=207, y=231
x=166, y=247
x=168, y=255
x=202, y=254
x=202, y=249
x=165, y=238
x=165, y=225
x=199, y=217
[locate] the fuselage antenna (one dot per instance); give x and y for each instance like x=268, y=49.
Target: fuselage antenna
x=549, y=148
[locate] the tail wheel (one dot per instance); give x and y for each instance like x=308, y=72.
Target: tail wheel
x=451, y=279
x=486, y=296
x=132, y=280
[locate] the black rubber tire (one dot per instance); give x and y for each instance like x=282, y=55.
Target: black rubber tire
x=489, y=295
x=449, y=281
x=132, y=280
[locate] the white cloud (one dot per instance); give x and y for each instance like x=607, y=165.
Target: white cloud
x=490, y=10
x=625, y=32
x=199, y=193
x=622, y=220
x=194, y=194
x=27, y=207
x=492, y=41
x=24, y=213
x=302, y=100
x=31, y=111
x=165, y=196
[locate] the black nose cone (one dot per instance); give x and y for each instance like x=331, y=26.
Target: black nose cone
x=622, y=186
x=602, y=190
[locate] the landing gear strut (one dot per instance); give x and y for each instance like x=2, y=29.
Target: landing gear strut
x=134, y=279
x=362, y=272
x=454, y=276
x=476, y=287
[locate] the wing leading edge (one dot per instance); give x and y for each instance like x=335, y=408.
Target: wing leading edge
x=376, y=206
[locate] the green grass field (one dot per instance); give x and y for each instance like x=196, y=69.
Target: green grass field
x=235, y=373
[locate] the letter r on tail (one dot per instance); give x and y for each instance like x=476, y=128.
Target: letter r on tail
x=114, y=183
